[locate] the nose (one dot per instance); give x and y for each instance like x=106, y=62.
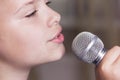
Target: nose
x=54, y=18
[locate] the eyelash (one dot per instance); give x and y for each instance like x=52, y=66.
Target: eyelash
x=34, y=12
x=31, y=14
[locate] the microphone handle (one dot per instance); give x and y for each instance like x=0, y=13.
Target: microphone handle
x=100, y=57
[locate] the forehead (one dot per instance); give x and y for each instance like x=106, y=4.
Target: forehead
x=9, y=7
x=14, y=2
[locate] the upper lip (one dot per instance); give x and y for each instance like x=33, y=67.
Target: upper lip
x=56, y=34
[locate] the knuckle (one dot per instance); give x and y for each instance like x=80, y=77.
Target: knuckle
x=116, y=47
x=104, y=69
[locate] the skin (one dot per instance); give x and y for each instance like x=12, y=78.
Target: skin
x=109, y=68
x=27, y=28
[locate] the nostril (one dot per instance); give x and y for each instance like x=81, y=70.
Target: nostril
x=53, y=22
x=56, y=23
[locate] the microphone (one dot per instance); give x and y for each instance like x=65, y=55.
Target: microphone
x=88, y=48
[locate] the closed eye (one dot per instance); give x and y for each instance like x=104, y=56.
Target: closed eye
x=31, y=14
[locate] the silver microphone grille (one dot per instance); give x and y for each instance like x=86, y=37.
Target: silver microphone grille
x=87, y=46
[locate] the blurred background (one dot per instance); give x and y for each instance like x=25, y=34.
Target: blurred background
x=101, y=17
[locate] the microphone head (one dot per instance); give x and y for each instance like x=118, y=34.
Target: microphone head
x=87, y=47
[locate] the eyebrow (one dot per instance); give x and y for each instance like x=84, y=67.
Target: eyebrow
x=30, y=2
x=25, y=4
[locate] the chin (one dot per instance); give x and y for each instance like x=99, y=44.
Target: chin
x=58, y=55
x=51, y=57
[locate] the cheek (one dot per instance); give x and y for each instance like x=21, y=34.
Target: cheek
x=23, y=43
x=28, y=39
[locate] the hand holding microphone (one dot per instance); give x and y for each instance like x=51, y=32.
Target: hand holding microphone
x=89, y=48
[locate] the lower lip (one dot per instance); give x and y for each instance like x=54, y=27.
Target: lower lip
x=59, y=39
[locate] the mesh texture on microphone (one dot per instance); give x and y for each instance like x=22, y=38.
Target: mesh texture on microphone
x=87, y=46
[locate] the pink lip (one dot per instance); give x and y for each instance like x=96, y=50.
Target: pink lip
x=59, y=38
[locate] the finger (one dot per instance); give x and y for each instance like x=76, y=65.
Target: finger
x=111, y=56
x=117, y=61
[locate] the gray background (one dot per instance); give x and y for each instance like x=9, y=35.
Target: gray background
x=101, y=17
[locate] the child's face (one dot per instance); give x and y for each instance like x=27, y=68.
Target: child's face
x=30, y=33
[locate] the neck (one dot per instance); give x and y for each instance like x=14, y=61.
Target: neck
x=8, y=72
